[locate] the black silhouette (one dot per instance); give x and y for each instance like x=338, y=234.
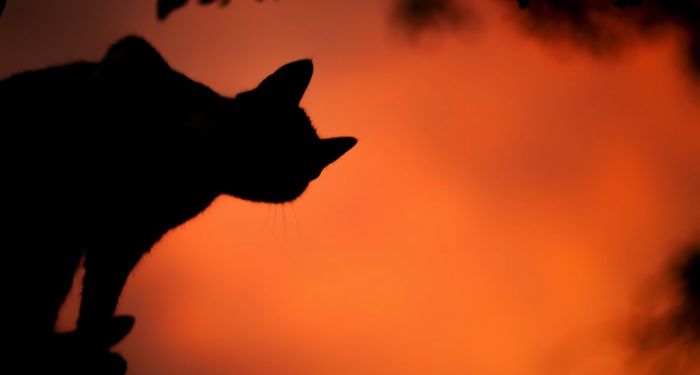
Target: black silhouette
x=165, y=7
x=600, y=26
x=618, y=3
x=108, y=156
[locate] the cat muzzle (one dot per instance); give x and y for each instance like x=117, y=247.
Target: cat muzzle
x=333, y=148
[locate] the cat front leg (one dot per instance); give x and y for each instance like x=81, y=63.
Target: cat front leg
x=106, y=272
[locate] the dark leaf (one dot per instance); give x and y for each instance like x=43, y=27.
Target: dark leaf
x=165, y=7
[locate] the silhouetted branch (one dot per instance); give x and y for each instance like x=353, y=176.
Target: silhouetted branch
x=604, y=25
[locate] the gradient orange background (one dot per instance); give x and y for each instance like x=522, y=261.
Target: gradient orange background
x=506, y=208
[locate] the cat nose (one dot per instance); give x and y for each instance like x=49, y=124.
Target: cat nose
x=334, y=148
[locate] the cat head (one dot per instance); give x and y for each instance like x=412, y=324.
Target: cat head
x=259, y=145
x=269, y=143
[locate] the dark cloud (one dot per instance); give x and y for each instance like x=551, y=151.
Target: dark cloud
x=607, y=25
x=420, y=15
x=669, y=338
x=165, y=7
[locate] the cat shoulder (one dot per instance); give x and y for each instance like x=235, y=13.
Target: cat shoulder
x=53, y=83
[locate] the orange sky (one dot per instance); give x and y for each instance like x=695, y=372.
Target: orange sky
x=502, y=213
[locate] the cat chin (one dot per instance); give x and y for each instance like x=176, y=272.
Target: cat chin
x=283, y=195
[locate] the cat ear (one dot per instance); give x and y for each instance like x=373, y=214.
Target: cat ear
x=333, y=148
x=289, y=82
x=131, y=57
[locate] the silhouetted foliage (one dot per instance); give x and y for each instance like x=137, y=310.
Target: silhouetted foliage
x=165, y=7
x=113, y=154
x=670, y=335
x=2, y=6
x=601, y=26
x=605, y=25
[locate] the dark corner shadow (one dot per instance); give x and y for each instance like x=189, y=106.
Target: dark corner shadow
x=110, y=155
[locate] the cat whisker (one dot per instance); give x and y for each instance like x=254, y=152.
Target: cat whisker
x=284, y=224
x=296, y=220
x=284, y=215
x=274, y=219
x=267, y=218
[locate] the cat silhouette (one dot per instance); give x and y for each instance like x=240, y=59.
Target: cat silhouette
x=101, y=159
